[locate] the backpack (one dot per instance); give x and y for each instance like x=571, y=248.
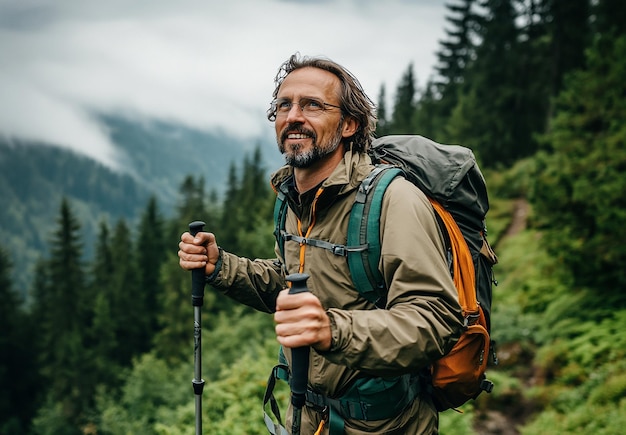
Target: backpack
x=453, y=182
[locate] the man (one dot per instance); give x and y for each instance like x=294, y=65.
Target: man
x=324, y=125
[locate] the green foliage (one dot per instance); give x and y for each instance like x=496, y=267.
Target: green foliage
x=528, y=277
x=62, y=313
x=157, y=397
x=582, y=419
x=501, y=138
x=247, y=211
x=578, y=193
x=404, y=104
x=18, y=373
x=382, y=127
x=455, y=55
x=498, y=68
x=115, y=345
x=596, y=405
x=453, y=422
x=515, y=182
x=151, y=238
x=498, y=218
x=150, y=386
x=584, y=345
x=30, y=202
x=238, y=395
x=52, y=419
x=564, y=343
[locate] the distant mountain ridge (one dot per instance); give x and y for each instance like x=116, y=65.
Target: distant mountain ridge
x=35, y=177
x=163, y=154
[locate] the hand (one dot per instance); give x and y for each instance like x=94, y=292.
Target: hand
x=302, y=321
x=197, y=252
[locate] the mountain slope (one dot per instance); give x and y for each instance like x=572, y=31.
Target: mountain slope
x=161, y=154
x=35, y=177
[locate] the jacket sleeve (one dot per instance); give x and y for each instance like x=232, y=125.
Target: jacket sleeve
x=422, y=319
x=255, y=283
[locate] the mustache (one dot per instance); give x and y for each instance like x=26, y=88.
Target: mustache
x=296, y=128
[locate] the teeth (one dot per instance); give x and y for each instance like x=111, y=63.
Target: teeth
x=297, y=136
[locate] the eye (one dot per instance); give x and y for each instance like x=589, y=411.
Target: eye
x=310, y=104
x=283, y=104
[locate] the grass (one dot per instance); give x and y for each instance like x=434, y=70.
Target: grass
x=562, y=348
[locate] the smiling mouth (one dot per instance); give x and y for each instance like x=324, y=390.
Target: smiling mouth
x=297, y=136
x=297, y=132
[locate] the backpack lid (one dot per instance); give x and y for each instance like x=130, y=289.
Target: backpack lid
x=447, y=173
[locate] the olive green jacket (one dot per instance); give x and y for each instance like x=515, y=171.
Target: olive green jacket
x=422, y=317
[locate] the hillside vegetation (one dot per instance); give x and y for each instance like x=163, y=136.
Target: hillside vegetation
x=106, y=344
x=35, y=177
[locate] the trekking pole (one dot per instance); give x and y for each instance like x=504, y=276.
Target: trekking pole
x=300, y=361
x=197, y=299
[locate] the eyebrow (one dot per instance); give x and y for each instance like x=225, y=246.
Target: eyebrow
x=310, y=97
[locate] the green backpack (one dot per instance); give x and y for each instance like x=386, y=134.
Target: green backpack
x=452, y=180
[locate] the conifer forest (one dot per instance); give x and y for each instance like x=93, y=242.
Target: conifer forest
x=103, y=343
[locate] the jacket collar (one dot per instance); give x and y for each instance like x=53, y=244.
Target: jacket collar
x=348, y=174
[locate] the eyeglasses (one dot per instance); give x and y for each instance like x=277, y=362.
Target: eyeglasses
x=309, y=106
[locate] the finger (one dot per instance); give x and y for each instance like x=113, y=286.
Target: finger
x=201, y=239
x=191, y=249
x=298, y=334
x=192, y=256
x=287, y=301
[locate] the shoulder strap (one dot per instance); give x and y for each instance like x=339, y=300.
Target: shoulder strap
x=364, y=229
x=463, y=265
x=280, y=215
x=281, y=235
x=363, y=244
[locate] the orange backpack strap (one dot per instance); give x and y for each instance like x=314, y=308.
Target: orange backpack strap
x=463, y=267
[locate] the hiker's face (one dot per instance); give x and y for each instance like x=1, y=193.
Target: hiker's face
x=306, y=138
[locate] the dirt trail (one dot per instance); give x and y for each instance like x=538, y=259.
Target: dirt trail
x=495, y=422
x=520, y=215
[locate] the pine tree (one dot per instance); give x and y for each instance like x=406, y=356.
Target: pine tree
x=17, y=357
x=128, y=302
x=104, y=342
x=382, y=126
x=488, y=114
x=62, y=315
x=254, y=189
x=173, y=340
x=427, y=119
x=151, y=249
x=454, y=56
x=404, y=104
x=192, y=205
x=579, y=184
x=608, y=18
x=568, y=25
x=255, y=204
x=230, y=221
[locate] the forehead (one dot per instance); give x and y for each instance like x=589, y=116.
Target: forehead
x=310, y=82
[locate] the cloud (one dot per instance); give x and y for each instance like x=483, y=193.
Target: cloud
x=205, y=64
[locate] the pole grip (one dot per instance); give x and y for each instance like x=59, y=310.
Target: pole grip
x=197, y=275
x=299, y=355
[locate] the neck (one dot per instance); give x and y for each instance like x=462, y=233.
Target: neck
x=307, y=178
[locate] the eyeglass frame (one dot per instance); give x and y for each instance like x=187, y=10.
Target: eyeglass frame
x=273, y=110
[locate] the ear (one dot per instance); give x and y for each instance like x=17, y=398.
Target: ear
x=350, y=126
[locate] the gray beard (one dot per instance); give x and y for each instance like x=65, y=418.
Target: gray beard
x=317, y=153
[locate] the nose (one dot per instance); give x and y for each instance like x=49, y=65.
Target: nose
x=295, y=114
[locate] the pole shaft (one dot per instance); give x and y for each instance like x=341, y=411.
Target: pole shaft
x=197, y=298
x=300, y=361
x=198, y=382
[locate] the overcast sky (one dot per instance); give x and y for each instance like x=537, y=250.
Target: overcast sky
x=205, y=64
